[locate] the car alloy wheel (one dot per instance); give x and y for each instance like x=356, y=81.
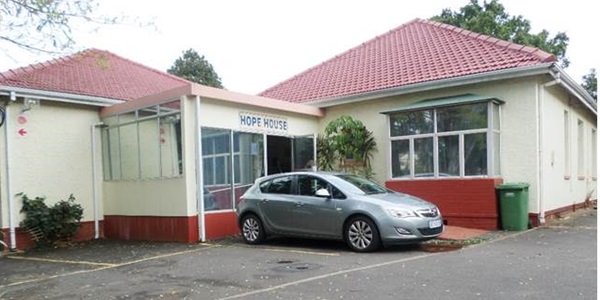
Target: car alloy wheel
x=252, y=230
x=362, y=235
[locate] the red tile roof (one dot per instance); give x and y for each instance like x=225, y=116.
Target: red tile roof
x=418, y=51
x=93, y=72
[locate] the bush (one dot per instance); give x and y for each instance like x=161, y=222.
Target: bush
x=58, y=222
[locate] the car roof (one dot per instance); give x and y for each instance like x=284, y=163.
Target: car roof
x=319, y=173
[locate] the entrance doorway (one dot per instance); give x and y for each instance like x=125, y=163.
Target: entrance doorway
x=286, y=154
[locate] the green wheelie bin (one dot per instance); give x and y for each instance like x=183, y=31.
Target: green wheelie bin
x=514, y=206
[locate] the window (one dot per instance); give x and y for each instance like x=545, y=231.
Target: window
x=455, y=140
x=309, y=185
x=580, y=153
x=279, y=185
x=594, y=155
x=567, y=144
x=143, y=144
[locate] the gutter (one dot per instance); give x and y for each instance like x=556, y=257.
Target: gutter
x=58, y=96
x=95, y=180
x=199, y=174
x=9, y=195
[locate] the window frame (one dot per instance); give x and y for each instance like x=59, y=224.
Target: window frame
x=493, y=128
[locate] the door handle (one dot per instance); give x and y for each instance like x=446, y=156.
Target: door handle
x=299, y=204
x=265, y=200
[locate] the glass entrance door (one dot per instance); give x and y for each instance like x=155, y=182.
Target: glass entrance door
x=303, y=152
x=285, y=154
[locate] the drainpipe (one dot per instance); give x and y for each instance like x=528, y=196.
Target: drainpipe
x=95, y=180
x=540, y=175
x=199, y=174
x=11, y=213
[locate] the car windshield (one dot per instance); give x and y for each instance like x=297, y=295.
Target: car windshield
x=367, y=186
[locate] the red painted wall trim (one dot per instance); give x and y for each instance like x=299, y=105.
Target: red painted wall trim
x=152, y=228
x=555, y=213
x=221, y=224
x=85, y=232
x=465, y=202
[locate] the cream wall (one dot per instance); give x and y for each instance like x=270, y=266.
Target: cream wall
x=157, y=197
x=54, y=158
x=519, y=160
x=562, y=184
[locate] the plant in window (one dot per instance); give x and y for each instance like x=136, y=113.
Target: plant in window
x=347, y=145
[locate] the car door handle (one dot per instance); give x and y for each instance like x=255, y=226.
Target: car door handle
x=299, y=204
x=265, y=200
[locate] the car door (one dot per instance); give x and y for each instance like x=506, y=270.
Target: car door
x=276, y=203
x=314, y=215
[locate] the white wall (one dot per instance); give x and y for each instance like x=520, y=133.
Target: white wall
x=54, y=158
x=563, y=185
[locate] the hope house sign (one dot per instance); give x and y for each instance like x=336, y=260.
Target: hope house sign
x=263, y=122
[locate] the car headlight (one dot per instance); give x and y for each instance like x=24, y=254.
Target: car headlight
x=401, y=213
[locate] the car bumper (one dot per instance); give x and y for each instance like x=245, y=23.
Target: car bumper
x=410, y=230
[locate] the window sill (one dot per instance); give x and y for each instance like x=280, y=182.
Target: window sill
x=580, y=177
x=567, y=177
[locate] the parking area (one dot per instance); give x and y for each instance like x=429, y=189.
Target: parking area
x=558, y=259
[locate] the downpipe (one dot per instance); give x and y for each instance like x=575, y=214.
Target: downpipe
x=95, y=179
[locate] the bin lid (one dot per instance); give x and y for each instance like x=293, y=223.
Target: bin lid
x=513, y=186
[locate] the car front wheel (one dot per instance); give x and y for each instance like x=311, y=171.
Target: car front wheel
x=252, y=229
x=361, y=235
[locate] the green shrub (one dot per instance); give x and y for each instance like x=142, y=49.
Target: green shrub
x=58, y=222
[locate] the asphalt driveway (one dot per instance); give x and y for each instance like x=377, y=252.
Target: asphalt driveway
x=558, y=261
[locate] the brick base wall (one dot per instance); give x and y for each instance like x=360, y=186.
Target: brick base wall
x=24, y=242
x=467, y=203
x=152, y=228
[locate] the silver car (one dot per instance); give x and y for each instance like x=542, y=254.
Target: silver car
x=335, y=206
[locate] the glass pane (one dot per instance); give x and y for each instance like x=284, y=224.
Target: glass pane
x=401, y=158
x=309, y=185
x=423, y=157
x=170, y=146
x=208, y=174
x=248, y=161
x=303, y=153
x=497, y=170
x=216, y=167
x=130, y=161
x=475, y=154
x=281, y=185
x=411, y=123
x=496, y=116
x=150, y=148
x=463, y=117
x=147, y=112
x=106, y=166
x=115, y=153
x=169, y=108
x=448, y=156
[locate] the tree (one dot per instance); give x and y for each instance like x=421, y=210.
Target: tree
x=491, y=19
x=196, y=68
x=45, y=25
x=590, y=84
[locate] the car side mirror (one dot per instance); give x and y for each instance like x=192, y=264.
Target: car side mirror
x=323, y=193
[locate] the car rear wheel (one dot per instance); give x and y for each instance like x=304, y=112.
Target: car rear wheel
x=361, y=235
x=252, y=229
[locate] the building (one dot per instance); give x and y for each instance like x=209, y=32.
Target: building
x=155, y=157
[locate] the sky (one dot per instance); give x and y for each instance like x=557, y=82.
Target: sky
x=253, y=45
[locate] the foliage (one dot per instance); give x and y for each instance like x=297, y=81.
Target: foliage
x=348, y=143
x=590, y=84
x=196, y=68
x=491, y=19
x=58, y=222
x=45, y=25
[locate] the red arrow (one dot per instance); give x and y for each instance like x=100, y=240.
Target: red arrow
x=22, y=132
